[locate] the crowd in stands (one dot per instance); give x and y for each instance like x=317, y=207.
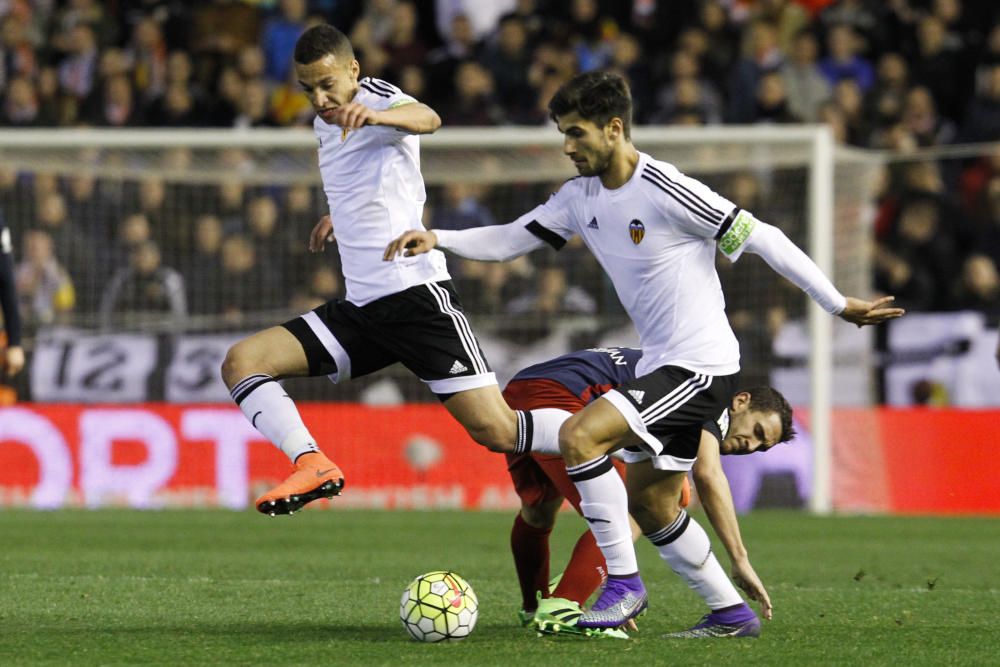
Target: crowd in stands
x=897, y=75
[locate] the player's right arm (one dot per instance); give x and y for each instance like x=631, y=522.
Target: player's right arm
x=551, y=223
x=717, y=499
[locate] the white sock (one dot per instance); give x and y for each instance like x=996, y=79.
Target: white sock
x=272, y=412
x=538, y=430
x=604, y=504
x=686, y=549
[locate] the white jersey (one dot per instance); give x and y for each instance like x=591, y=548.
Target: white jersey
x=656, y=237
x=375, y=192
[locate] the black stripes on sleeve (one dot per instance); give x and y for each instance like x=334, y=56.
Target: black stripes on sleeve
x=727, y=223
x=697, y=206
x=546, y=235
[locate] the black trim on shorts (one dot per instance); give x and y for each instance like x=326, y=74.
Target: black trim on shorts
x=320, y=361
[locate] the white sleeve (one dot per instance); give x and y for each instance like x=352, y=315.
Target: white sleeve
x=496, y=243
x=771, y=244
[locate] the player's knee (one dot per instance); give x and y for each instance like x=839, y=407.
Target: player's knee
x=538, y=516
x=575, y=442
x=653, y=512
x=494, y=437
x=238, y=364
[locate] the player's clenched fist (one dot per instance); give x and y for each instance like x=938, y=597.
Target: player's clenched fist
x=353, y=115
x=411, y=243
x=321, y=234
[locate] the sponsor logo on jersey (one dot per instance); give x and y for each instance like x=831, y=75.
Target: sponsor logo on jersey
x=458, y=367
x=592, y=224
x=637, y=394
x=636, y=230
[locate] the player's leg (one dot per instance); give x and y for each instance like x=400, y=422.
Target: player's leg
x=586, y=440
x=439, y=346
x=251, y=370
x=682, y=543
x=529, y=536
x=321, y=342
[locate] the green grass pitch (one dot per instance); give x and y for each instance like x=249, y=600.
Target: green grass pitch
x=323, y=587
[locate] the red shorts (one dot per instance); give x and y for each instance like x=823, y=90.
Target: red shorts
x=540, y=478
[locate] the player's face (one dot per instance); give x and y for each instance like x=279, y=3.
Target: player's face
x=329, y=83
x=750, y=430
x=587, y=144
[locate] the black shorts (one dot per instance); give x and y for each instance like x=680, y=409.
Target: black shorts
x=667, y=408
x=422, y=327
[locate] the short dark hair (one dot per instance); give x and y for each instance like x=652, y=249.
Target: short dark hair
x=320, y=41
x=769, y=399
x=597, y=97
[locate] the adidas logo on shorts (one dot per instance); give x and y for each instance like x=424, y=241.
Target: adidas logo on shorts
x=637, y=395
x=458, y=367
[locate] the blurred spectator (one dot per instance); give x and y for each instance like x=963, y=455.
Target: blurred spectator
x=242, y=288
x=979, y=288
x=279, y=36
x=805, y=86
x=843, y=60
x=460, y=44
x=590, y=34
x=627, y=60
x=254, y=109
x=322, y=285
x=921, y=118
x=203, y=268
x=43, y=285
x=772, y=101
x=982, y=120
x=482, y=16
x=866, y=19
x=849, y=100
x=761, y=56
x=143, y=288
x=271, y=242
x=715, y=41
x=222, y=27
x=787, y=16
x=462, y=207
x=86, y=204
x=938, y=66
x=687, y=93
x=508, y=60
x=148, y=53
x=79, y=68
x=403, y=45
x=116, y=105
x=20, y=104
x=17, y=53
x=73, y=247
x=474, y=101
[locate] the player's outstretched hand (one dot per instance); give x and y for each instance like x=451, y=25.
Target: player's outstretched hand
x=411, y=243
x=321, y=234
x=861, y=312
x=746, y=578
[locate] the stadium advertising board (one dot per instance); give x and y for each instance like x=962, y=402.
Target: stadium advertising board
x=418, y=457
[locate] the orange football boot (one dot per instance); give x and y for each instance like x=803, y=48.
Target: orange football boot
x=685, y=493
x=315, y=477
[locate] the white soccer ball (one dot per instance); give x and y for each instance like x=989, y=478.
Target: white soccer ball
x=439, y=606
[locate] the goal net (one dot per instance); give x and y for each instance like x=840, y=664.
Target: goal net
x=153, y=251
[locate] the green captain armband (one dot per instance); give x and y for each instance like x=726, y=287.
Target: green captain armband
x=402, y=103
x=738, y=233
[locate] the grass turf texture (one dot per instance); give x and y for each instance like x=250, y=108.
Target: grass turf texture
x=215, y=587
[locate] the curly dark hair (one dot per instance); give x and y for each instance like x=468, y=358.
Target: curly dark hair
x=769, y=399
x=597, y=97
x=320, y=41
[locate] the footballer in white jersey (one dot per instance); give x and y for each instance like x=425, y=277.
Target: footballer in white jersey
x=373, y=185
x=403, y=312
x=655, y=232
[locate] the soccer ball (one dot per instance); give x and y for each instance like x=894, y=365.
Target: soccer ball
x=439, y=606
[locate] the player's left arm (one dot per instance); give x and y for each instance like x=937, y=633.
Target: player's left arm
x=12, y=358
x=748, y=234
x=717, y=499
x=406, y=115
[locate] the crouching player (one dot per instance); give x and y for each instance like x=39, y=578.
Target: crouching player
x=756, y=420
